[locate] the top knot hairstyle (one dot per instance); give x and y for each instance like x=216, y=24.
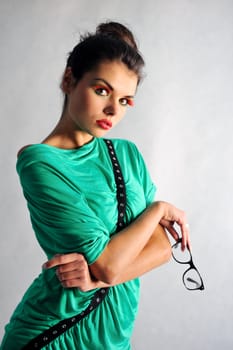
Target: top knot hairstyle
x=112, y=41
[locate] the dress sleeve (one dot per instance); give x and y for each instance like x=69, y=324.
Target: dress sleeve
x=148, y=185
x=61, y=217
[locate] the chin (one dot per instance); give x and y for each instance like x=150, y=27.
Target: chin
x=100, y=133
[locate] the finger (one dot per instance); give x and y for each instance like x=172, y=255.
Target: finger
x=62, y=259
x=185, y=234
x=189, y=240
x=70, y=275
x=77, y=265
x=169, y=226
x=173, y=232
x=73, y=283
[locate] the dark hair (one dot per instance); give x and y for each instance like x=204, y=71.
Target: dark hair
x=111, y=41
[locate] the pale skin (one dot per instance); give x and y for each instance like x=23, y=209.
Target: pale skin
x=103, y=94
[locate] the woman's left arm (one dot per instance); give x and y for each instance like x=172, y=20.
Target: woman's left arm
x=73, y=272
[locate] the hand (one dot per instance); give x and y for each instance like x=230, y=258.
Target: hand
x=174, y=215
x=72, y=271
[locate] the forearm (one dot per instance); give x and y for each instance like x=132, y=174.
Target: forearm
x=156, y=252
x=140, y=247
x=125, y=247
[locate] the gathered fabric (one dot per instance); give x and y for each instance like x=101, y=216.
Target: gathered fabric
x=71, y=197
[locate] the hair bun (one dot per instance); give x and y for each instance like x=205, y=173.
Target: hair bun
x=117, y=31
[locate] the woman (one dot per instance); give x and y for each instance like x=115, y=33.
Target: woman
x=92, y=208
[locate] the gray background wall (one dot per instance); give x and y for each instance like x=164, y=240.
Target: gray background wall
x=182, y=122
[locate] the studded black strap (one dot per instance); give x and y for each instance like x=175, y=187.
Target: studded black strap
x=121, y=192
x=55, y=331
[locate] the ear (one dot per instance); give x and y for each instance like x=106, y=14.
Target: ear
x=68, y=81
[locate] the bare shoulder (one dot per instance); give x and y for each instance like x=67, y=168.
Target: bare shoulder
x=22, y=149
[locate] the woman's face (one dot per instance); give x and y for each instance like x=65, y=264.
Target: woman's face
x=99, y=100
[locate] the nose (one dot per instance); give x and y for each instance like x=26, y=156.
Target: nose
x=111, y=109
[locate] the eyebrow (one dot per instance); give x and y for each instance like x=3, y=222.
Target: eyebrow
x=109, y=86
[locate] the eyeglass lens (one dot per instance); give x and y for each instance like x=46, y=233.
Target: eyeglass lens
x=179, y=255
x=191, y=277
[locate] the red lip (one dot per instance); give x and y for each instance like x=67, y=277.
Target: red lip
x=104, y=124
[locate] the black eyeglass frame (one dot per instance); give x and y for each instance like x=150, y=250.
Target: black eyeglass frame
x=192, y=266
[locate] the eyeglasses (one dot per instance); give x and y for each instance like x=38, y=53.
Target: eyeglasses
x=191, y=277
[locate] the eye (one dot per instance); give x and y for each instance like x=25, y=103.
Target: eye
x=101, y=91
x=126, y=102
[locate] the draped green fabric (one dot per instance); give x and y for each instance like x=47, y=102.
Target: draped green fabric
x=71, y=196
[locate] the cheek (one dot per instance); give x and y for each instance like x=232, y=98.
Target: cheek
x=82, y=104
x=94, y=104
x=122, y=112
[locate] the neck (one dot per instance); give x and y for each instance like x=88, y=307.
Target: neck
x=65, y=136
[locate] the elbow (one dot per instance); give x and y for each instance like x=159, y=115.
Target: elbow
x=110, y=275
x=105, y=273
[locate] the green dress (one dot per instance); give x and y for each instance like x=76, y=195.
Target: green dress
x=71, y=197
